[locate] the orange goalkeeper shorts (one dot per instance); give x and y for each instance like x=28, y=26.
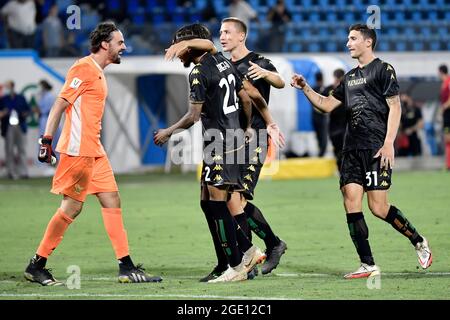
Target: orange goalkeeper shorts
x=77, y=177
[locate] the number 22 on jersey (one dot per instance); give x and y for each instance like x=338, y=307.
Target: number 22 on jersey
x=229, y=84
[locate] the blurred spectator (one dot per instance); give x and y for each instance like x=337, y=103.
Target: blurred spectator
x=320, y=119
x=14, y=110
x=45, y=102
x=20, y=20
x=445, y=105
x=337, y=119
x=408, y=141
x=52, y=33
x=279, y=15
x=242, y=10
x=40, y=14
x=70, y=48
x=209, y=13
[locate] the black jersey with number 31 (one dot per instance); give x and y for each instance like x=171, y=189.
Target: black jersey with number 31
x=363, y=91
x=215, y=83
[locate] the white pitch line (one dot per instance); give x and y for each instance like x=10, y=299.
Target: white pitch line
x=94, y=295
x=284, y=275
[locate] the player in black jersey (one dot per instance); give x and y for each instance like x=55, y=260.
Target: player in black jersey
x=337, y=120
x=370, y=95
x=256, y=71
x=214, y=91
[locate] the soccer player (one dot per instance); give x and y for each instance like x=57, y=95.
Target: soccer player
x=445, y=104
x=214, y=91
x=84, y=167
x=370, y=94
x=257, y=71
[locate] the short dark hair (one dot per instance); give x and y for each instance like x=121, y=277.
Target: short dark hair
x=192, y=31
x=319, y=76
x=44, y=83
x=338, y=73
x=241, y=24
x=102, y=32
x=443, y=68
x=366, y=32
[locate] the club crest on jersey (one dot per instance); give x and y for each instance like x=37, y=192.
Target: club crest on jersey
x=75, y=84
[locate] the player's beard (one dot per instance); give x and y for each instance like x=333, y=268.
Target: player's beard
x=115, y=57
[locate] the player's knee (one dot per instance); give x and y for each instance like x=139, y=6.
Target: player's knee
x=73, y=211
x=352, y=204
x=379, y=208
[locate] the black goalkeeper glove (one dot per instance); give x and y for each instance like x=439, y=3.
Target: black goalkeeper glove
x=46, y=153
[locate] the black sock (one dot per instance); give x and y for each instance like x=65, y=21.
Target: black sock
x=222, y=261
x=227, y=231
x=39, y=261
x=259, y=225
x=360, y=235
x=241, y=235
x=126, y=262
x=397, y=220
x=243, y=223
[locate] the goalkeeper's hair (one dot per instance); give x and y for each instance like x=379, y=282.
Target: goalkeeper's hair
x=102, y=32
x=192, y=31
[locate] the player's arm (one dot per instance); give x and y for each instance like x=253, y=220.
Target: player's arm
x=261, y=104
x=273, y=78
x=387, y=150
x=320, y=102
x=258, y=101
x=192, y=116
x=390, y=88
x=246, y=102
x=178, y=49
x=46, y=153
x=54, y=117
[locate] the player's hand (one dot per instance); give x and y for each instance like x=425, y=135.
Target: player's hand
x=161, y=136
x=387, y=156
x=255, y=72
x=176, y=50
x=298, y=81
x=277, y=136
x=46, y=153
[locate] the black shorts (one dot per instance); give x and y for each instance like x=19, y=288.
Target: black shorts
x=216, y=171
x=360, y=167
x=255, y=155
x=446, y=118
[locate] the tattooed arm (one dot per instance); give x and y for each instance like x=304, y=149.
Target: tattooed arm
x=321, y=103
x=387, y=150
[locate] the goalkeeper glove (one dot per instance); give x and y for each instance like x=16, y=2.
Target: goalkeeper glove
x=46, y=153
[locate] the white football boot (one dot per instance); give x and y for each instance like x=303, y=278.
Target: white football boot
x=364, y=271
x=424, y=253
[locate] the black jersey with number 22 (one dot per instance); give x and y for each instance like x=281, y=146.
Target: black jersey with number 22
x=215, y=83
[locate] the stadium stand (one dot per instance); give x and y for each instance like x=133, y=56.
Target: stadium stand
x=316, y=25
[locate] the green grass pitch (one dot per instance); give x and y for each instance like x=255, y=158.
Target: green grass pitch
x=168, y=233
